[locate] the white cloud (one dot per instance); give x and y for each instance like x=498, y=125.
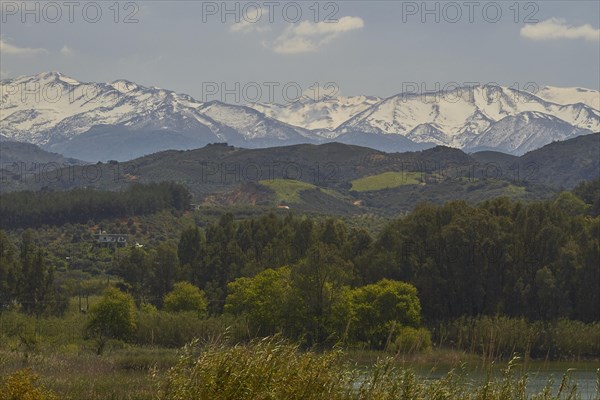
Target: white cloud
x=247, y=27
x=557, y=28
x=252, y=22
x=8, y=48
x=307, y=36
x=66, y=51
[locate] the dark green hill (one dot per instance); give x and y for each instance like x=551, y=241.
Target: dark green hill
x=18, y=152
x=342, y=178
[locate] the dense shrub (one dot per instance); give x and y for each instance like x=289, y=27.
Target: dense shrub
x=160, y=328
x=502, y=337
x=21, y=385
x=410, y=340
x=272, y=369
x=113, y=317
x=264, y=369
x=186, y=297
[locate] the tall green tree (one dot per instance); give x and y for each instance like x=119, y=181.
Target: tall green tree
x=186, y=297
x=113, y=317
x=379, y=310
x=9, y=271
x=36, y=278
x=318, y=282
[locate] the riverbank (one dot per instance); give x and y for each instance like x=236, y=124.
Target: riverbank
x=137, y=373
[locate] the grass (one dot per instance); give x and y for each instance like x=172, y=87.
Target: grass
x=287, y=190
x=273, y=368
x=514, y=190
x=55, y=350
x=386, y=180
x=75, y=373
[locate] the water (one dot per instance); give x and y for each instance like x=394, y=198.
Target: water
x=583, y=374
x=539, y=374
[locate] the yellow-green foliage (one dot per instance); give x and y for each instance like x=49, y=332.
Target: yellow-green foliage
x=21, y=385
x=114, y=316
x=275, y=370
x=186, y=297
x=287, y=190
x=501, y=337
x=264, y=369
x=380, y=310
x=410, y=340
x=386, y=180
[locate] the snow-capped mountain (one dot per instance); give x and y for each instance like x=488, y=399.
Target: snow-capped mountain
x=565, y=96
x=253, y=125
x=456, y=118
x=63, y=114
x=324, y=114
x=122, y=120
x=525, y=132
x=51, y=107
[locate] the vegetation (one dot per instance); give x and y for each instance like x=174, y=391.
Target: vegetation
x=386, y=180
x=271, y=368
x=33, y=209
x=186, y=297
x=495, y=279
x=385, y=312
x=113, y=317
x=22, y=386
x=537, y=260
x=287, y=190
x=501, y=337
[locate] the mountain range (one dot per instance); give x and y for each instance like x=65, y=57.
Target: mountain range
x=330, y=177
x=123, y=120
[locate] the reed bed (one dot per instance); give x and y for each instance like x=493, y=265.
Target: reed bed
x=271, y=368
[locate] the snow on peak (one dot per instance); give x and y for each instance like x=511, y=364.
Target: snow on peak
x=326, y=114
x=570, y=95
x=462, y=113
x=124, y=86
x=63, y=108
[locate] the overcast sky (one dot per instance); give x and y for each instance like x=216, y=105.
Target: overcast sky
x=364, y=47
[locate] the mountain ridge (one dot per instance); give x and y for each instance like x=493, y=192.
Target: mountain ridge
x=122, y=119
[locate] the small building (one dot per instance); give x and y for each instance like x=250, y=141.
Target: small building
x=283, y=207
x=107, y=239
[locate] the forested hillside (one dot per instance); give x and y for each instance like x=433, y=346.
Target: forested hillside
x=537, y=260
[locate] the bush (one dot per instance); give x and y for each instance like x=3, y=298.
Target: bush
x=22, y=386
x=161, y=328
x=502, y=337
x=113, y=317
x=379, y=308
x=186, y=297
x=410, y=340
x=272, y=369
x=264, y=369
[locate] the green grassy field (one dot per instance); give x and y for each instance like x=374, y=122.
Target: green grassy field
x=386, y=180
x=287, y=190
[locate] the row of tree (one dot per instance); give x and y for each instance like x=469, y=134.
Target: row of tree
x=26, y=277
x=537, y=260
x=33, y=209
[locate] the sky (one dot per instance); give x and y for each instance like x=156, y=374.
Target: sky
x=269, y=50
